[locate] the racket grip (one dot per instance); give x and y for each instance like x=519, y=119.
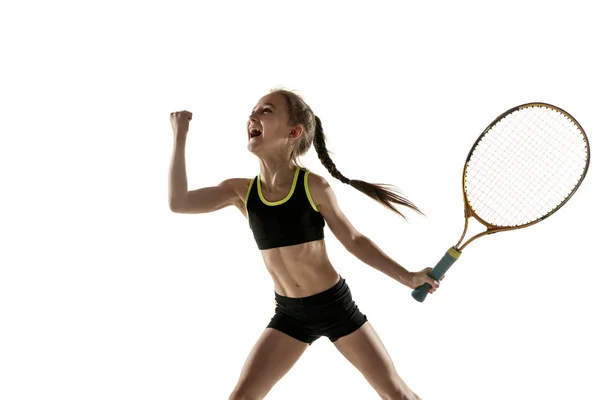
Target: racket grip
x=436, y=273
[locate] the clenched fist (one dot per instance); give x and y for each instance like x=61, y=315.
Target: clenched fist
x=180, y=122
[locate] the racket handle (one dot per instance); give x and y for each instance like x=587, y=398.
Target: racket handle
x=420, y=293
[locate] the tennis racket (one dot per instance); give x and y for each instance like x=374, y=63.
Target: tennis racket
x=523, y=168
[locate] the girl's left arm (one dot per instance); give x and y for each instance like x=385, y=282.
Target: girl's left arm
x=358, y=244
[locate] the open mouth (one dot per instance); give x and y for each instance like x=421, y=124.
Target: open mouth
x=255, y=133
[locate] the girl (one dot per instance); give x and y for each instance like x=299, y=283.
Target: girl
x=287, y=207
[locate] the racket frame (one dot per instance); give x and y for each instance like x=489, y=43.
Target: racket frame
x=454, y=252
x=491, y=228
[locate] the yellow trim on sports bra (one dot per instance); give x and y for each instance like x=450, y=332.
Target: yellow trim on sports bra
x=248, y=194
x=286, y=198
x=312, y=203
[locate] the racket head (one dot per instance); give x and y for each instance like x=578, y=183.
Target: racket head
x=524, y=167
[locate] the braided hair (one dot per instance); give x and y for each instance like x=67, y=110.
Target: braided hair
x=300, y=113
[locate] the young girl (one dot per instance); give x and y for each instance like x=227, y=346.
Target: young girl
x=287, y=207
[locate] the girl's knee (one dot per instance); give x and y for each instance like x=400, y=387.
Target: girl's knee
x=398, y=392
x=244, y=393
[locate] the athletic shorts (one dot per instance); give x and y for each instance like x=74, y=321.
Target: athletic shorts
x=331, y=313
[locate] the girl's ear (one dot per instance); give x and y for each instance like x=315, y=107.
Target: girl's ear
x=296, y=132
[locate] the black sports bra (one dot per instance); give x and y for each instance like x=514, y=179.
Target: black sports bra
x=292, y=220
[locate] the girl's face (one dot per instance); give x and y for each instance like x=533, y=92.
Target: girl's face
x=268, y=128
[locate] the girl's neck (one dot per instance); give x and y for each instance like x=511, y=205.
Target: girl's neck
x=277, y=173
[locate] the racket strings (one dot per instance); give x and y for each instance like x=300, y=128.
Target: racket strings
x=510, y=168
x=525, y=166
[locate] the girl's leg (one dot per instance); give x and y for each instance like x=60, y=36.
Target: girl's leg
x=270, y=359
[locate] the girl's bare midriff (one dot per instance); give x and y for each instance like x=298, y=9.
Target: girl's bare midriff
x=300, y=270
x=297, y=271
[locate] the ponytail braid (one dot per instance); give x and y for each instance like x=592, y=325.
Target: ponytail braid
x=319, y=143
x=384, y=194
x=301, y=114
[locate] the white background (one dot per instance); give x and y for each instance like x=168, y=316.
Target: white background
x=106, y=294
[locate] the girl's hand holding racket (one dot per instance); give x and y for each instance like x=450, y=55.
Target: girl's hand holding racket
x=422, y=277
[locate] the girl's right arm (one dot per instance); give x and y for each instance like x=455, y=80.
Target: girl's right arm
x=203, y=200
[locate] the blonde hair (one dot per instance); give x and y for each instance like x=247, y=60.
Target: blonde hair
x=301, y=114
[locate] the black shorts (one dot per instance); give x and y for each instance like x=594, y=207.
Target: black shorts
x=331, y=313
